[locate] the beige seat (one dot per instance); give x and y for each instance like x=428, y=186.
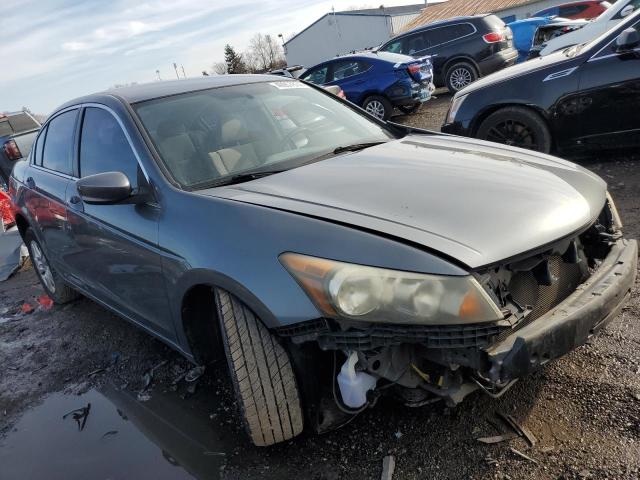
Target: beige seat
x=238, y=153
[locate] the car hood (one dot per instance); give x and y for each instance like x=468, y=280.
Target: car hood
x=473, y=201
x=557, y=60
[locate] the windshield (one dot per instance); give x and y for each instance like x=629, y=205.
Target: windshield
x=593, y=44
x=210, y=136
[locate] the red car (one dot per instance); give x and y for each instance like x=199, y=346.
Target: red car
x=575, y=10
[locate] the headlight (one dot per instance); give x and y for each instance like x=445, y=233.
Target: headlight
x=455, y=106
x=374, y=294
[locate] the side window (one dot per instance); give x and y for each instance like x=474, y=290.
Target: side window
x=104, y=147
x=416, y=43
x=37, y=149
x=444, y=34
x=346, y=69
x=58, y=145
x=317, y=76
x=549, y=12
x=394, y=47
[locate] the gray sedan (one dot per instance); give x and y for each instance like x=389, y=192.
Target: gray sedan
x=330, y=257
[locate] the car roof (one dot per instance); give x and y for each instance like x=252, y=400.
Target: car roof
x=165, y=88
x=384, y=56
x=446, y=21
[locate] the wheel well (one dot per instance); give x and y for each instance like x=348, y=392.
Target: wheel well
x=22, y=224
x=470, y=61
x=494, y=108
x=200, y=324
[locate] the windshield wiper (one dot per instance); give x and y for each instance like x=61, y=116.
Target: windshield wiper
x=356, y=146
x=233, y=179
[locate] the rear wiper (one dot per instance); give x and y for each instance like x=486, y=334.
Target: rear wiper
x=356, y=146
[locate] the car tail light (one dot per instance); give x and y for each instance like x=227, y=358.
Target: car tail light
x=493, y=37
x=11, y=150
x=342, y=95
x=414, y=71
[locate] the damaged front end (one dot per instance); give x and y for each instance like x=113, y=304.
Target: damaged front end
x=540, y=306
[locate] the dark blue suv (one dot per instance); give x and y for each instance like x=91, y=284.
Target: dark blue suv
x=378, y=81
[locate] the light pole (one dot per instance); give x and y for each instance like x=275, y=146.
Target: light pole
x=175, y=67
x=158, y=74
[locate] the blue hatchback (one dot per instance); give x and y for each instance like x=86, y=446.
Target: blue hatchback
x=378, y=81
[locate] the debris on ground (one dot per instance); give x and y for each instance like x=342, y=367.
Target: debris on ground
x=498, y=438
x=79, y=415
x=110, y=433
x=26, y=308
x=388, y=467
x=519, y=429
x=194, y=374
x=95, y=372
x=398, y=434
x=522, y=455
x=45, y=302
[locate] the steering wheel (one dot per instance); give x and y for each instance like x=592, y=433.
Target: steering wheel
x=288, y=138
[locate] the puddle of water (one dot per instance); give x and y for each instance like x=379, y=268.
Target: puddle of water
x=122, y=438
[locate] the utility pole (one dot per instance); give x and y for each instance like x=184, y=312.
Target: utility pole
x=175, y=67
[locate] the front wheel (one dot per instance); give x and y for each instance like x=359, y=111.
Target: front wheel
x=378, y=106
x=261, y=373
x=516, y=126
x=51, y=281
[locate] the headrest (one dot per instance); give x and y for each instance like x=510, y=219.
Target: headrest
x=234, y=131
x=169, y=128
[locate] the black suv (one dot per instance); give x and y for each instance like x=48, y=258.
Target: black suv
x=465, y=48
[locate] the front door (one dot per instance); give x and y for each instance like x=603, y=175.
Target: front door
x=609, y=96
x=115, y=246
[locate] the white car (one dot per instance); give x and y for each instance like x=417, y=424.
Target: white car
x=609, y=18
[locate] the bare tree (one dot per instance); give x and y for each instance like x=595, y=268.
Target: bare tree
x=265, y=53
x=219, y=68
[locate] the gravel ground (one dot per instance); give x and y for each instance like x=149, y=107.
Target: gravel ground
x=584, y=409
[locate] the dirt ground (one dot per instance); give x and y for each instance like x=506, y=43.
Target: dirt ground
x=584, y=409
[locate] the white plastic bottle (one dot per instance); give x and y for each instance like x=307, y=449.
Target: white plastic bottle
x=354, y=385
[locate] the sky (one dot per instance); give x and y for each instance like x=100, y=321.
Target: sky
x=55, y=50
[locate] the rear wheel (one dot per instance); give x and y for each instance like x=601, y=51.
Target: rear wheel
x=378, y=106
x=460, y=75
x=51, y=281
x=261, y=373
x=516, y=126
x=410, y=109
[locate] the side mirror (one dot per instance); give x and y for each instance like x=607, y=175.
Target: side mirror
x=626, y=11
x=104, y=188
x=627, y=40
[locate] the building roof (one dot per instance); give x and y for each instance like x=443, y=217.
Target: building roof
x=456, y=8
x=371, y=12
x=392, y=11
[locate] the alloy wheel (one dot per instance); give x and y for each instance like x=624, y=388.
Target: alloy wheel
x=375, y=108
x=42, y=266
x=511, y=132
x=460, y=78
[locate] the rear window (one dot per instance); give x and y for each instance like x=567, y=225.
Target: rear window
x=59, y=143
x=493, y=23
x=17, y=123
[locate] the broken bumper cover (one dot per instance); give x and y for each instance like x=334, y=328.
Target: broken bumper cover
x=572, y=322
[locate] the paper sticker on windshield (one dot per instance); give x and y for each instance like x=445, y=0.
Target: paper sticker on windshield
x=289, y=84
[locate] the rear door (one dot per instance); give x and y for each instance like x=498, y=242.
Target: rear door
x=116, y=255
x=609, y=96
x=354, y=77
x=47, y=180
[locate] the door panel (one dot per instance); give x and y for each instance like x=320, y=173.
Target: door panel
x=609, y=95
x=115, y=246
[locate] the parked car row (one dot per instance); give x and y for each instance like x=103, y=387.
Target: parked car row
x=583, y=97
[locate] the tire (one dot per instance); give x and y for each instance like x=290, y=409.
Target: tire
x=50, y=280
x=459, y=75
x=410, y=109
x=378, y=106
x=261, y=373
x=516, y=126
